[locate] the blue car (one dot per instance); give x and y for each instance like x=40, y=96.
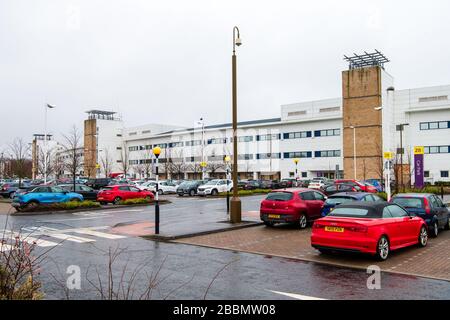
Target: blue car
x=44, y=195
x=376, y=183
x=345, y=197
x=427, y=206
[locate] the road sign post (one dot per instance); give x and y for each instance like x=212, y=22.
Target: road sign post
x=388, y=156
x=419, y=182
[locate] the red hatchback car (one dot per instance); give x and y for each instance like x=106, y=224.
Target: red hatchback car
x=292, y=206
x=373, y=228
x=115, y=194
x=365, y=187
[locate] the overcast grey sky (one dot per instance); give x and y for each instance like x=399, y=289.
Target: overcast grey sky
x=170, y=61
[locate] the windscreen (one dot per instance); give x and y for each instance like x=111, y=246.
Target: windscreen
x=339, y=200
x=280, y=196
x=416, y=203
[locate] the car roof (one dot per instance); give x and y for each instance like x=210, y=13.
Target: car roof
x=292, y=190
x=367, y=205
x=356, y=195
x=413, y=195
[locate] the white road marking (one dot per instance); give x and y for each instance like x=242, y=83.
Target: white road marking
x=296, y=296
x=97, y=234
x=49, y=232
x=32, y=240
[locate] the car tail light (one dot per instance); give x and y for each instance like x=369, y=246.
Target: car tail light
x=361, y=229
x=427, y=206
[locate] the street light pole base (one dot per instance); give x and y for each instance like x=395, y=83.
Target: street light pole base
x=236, y=210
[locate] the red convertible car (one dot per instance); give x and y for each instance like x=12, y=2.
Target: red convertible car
x=373, y=228
x=115, y=194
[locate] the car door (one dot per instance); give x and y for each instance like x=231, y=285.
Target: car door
x=88, y=193
x=405, y=224
x=313, y=210
x=391, y=227
x=124, y=192
x=441, y=211
x=42, y=194
x=135, y=193
x=58, y=194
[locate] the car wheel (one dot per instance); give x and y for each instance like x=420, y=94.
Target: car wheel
x=325, y=251
x=117, y=200
x=447, y=225
x=435, y=229
x=383, y=249
x=103, y=203
x=11, y=195
x=32, y=205
x=302, y=221
x=214, y=192
x=423, y=237
x=192, y=193
x=269, y=223
x=160, y=192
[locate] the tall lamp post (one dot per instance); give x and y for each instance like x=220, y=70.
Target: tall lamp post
x=354, y=151
x=400, y=128
x=48, y=106
x=227, y=162
x=157, y=152
x=296, y=161
x=236, y=206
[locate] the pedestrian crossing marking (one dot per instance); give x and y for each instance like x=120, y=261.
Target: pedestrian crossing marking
x=32, y=240
x=98, y=234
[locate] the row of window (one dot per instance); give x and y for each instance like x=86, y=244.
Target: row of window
x=437, y=149
x=444, y=174
x=434, y=125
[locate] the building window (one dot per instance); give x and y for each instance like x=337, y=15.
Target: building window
x=268, y=137
x=244, y=139
x=426, y=174
x=118, y=135
x=327, y=154
x=296, y=113
x=444, y=174
x=119, y=161
x=146, y=131
x=134, y=148
x=434, y=125
x=119, y=148
x=132, y=133
x=175, y=144
x=245, y=157
x=327, y=133
x=193, y=143
x=133, y=162
x=304, y=174
x=263, y=156
x=332, y=109
x=161, y=145
x=217, y=141
x=433, y=99
x=437, y=149
x=301, y=154
x=297, y=135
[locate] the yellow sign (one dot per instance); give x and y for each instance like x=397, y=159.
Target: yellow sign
x=203, y=164
x=388, y=155
x=296, y=161
x=97, y=166
x=419, y=150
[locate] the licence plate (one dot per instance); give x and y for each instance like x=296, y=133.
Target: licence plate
x=334, y=229
x=274, y=216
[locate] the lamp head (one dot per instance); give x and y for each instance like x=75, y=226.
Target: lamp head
x=227, y=159
x=238, y=41
x=157, y=151
x=296, y=161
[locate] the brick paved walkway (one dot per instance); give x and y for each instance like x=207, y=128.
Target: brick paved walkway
x=286, y=241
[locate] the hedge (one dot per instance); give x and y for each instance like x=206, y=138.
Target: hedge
x=248, y=192
x=135, y=201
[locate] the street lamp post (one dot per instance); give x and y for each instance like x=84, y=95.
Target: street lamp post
x=203, y=149
x=354, y=151
x=227, y=161
x=401, y=128
x=296, y=161
x=48, y=106
x=157, y=152
x=236, y=206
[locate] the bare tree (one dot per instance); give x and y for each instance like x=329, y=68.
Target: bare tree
x=46, y=162
x=177, y=165
x=124, y=160
x=106, y=162
x=72, y=148
x=20, y=162
x=58, y=165
x=214, y=166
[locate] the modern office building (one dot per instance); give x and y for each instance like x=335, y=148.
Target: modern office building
x=344, y=136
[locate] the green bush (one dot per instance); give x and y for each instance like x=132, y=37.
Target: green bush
x=382, y=195
x=135, y=201
x=72, y=205
x=248, y=192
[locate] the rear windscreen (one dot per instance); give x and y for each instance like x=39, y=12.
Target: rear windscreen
x=339, y=200
x=106, y=188
x=280, y=196
x=350, y=212
x=409, y=202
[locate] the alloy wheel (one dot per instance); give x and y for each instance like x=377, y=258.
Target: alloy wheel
x=435, y=229
x=383, y=248
x=423, y=238
x=303, y=222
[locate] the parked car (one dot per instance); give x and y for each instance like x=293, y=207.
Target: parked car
x=376, y=183
x=270, y=184
x=117, y=193
x=303, y=183
x=339, y=188
x=97, y=184
x=428, y=207
x=249, y=184
x=288, y=183
x=87, y=192
x=7, y=190
x=214, y=187
x=318, y=183
x=298, y=206
x=374, y=228
x=364, y=186
x=44, y=195
x=346, y=197
x=189, y=187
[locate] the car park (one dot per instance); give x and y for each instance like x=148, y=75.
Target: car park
x=189, y=188
x=375, y=228
x=288, y=183
x=428, y=207
x=249, y=184
x=214, y=187
x=346, y=197
x=8, y=189
x=87, y=192
x=44, y=195
x=116, y=194
x=376, y=183
x=298, y=206
x=318, y=183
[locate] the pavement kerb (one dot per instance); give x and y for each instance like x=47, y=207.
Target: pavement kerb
x=315, y=261
x=166, y=238
x=40, y=213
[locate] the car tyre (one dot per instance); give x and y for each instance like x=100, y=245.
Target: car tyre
x=302, y=221
x=103, y=203
x=423, y=237
x=325, y=251
x=447, y=225
x=11, y=195
x=214, y=192
x=192, y=193
x=117, y=200
x=160, y=192
x=269, y=224
x=435, y=229
x=383, y=249
x=32, y=205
